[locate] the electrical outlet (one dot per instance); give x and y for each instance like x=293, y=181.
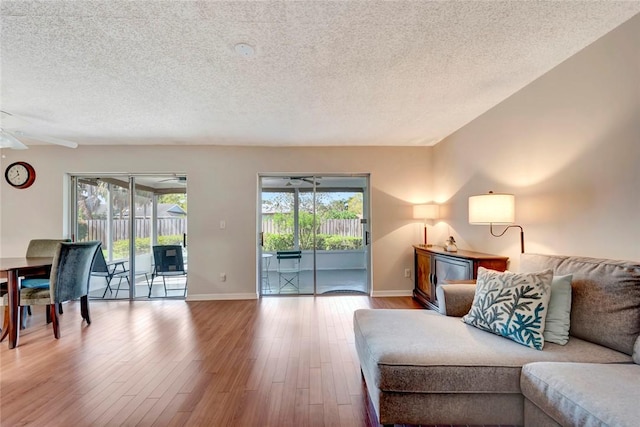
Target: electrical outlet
x=223, y=277
x=407, y=272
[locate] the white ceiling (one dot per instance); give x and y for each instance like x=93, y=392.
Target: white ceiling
x=323, y=73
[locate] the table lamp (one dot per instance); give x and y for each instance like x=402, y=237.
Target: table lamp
x=493, y=208
x=426, y=212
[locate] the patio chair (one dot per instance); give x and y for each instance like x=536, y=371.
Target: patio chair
x=110, y=271
x=168, y=262
x=289, y=269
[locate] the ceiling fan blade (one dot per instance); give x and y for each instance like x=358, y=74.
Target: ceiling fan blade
x=298, y=180
x=49, y=139
x=9, y=141
x=9, y=121
x=175, y=178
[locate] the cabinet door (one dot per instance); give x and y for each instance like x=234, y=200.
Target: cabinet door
x=446, y=268
x=423, y=273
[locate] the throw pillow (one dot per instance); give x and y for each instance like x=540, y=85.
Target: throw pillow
x=513, y=305
x=557, y=323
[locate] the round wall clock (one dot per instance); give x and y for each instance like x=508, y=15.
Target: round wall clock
x=20, y=175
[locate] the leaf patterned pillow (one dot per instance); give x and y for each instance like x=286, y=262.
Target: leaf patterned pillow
x=513, y=305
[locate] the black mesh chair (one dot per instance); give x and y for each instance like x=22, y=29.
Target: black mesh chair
x=110, y=271
x=289, y=269
x=168, y=262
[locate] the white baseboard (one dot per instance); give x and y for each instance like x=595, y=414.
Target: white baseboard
x=406, y=293
x=248, y=296
x=216, y=297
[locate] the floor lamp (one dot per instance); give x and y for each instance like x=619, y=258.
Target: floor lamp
x=426, y=212
x=494, y=209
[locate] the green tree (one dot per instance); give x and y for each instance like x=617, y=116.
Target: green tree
x=354, y=205
x=308, y=224
x=337, y=209
x=120, y=199
x=307, y=227
x=90, y=198
x=179, y=199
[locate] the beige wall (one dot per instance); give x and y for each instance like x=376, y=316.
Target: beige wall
x=568, y=147
x=223, y=186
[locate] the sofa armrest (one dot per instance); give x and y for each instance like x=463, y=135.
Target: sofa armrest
x=455, y=299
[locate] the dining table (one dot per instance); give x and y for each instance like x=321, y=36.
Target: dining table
x=12, y=269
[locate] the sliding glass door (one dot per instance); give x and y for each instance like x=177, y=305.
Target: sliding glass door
x=114, y=208
x=341, y=239
x=102, y=213
x=325, y=219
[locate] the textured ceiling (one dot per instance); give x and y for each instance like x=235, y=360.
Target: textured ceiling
x=322, y=73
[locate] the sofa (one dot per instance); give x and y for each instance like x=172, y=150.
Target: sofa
x=428, y=367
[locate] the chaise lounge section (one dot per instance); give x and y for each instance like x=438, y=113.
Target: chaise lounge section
x=579, y=394
x=422, y=367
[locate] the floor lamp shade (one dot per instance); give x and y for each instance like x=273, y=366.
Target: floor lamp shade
x=426, y=212
x=492, y=208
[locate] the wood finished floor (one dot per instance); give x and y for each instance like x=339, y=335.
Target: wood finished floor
x=283, y=361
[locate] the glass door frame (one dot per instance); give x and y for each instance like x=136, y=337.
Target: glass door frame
x=265, y=263
x=131, y=188
x=365, y=226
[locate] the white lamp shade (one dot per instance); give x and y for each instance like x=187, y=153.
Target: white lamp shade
x=429, y=211
x=492, y=209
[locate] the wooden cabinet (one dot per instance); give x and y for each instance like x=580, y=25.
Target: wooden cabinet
x=433, y=265
x=422, y=291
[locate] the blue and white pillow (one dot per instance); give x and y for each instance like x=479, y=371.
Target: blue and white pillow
x=513, y=305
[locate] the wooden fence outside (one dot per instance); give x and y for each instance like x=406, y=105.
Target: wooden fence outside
x=340, y=227
x=97, y=228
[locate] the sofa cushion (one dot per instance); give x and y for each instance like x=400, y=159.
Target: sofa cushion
x=455, y=299
x=580, y=394
x=605, y=307
x=423, y=351
x=558, y=322
x=636, y=351
x=512, y=305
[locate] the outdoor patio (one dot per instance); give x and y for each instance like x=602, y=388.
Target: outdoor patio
x=329, y=281
x=175, y=287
